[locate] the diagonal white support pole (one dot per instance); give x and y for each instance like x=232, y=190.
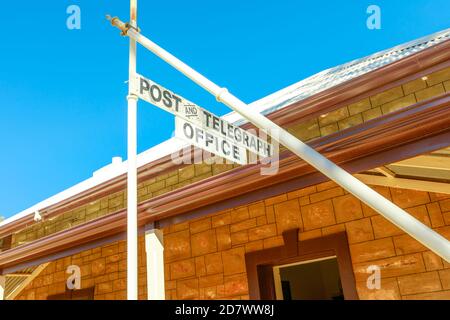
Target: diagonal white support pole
x=154, y=249
x=132, y=231
x=425, y=235
x=2, y=287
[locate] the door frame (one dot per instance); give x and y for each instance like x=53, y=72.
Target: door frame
x=259, y=264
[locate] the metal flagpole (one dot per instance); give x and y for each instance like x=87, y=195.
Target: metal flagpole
x=132, y=234
x=425, y=235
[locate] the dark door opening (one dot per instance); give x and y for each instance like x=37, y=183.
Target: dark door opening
x=309, y=280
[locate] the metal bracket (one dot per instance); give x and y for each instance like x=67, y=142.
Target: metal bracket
x=128, y=26
x=124, y=27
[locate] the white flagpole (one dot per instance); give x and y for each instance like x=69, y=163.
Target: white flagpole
x=425, y=235
x=132, y=232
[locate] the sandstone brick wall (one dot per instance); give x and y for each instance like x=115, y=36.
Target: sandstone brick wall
x=345, y=117
x=103, y=268
x=375, y=106
x=204, y=258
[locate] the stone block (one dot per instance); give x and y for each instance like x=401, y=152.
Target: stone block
x=262, y=232
x=213, y=263
x=439, y=76
x=447, y=86
x=200, y=266
x=432, y=261
x=287, y=215
x=182, y=269
x=235, y=285
x=359, y=230
x=372, y=250
x=275, y=200
x=329, y=129
x=256, y=210
x=235, y=261
x=383, y=228
x=239, y=214
x=398, y=104
x=239, y=237
x=436, y=218
x=371, y=114
x=414, y=86
x=333, y=116
x=421, y=214
x=98, y=266
x=104, y=287
x=347, y=208
x=419, y=283
x=187, y=289
x=387, y=96
x=405, y=244
x=254, y=246
x=350, y=121
x=316, y=233
x=177, y=246
x=221, y=219
x=186, y=173
x=273, y=242
x=359, y=107
x=444, y=276
x=318, y=215
x=203, y=243
x=430, y=92
x=445, y=205
x=200, y=225
x=406, y=198
x=212, y=280
x=306, y=130
x=223, y=237
x=243, y=225
x=337, y=228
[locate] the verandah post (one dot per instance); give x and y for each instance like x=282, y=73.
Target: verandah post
x=132, y=231
x=154, y=250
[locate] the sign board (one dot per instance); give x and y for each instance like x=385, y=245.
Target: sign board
x=209, y=141
x=167, y=100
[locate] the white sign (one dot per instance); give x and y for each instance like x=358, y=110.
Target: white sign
x=209, y=141
x=167, y=100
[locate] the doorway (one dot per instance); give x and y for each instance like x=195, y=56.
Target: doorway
x=319, y=268
x=317, y=279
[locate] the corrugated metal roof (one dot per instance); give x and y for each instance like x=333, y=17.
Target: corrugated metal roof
x=342, y=73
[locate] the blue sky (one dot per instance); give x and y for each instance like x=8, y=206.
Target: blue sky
x=62, y=92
